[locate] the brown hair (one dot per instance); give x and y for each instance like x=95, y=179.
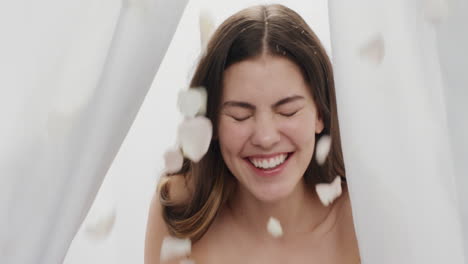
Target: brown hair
x=265, y=29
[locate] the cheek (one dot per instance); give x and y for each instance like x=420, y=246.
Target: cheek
x=232, y=136
x=301, y=130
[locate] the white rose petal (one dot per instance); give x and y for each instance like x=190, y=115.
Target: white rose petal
x=374, y=50
x=175, y=247
x=192, y=102
x=435, y=11
x=322, y=149
x=101, y=226
x=328, y=192
x=207, y=27
x=173, y=160
x=274, y=227
x=101, y=218
x=195, y=137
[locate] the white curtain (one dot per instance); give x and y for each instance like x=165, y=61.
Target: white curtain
x=74, y=74
x=402, y=89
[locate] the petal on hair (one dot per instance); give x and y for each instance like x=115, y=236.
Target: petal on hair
x=274, y=227
x=101, y=218
x=195, y=137
x=173, y=160
x=322, y=149
x=174, y=247
x=207, y=27
x=374, y=50
x=328, y=192
x=192, y=102
x=435, y=11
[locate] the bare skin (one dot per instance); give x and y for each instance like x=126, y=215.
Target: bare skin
x=331, y=240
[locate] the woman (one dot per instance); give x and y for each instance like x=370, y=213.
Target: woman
x=270, y=98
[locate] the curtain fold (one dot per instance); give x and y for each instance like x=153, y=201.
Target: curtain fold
x=401, y=114
x=452, y=40
x=76, y=75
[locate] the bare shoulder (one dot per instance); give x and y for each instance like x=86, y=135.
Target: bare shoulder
x=347, y=207
x=348, y=239
x=156, y=228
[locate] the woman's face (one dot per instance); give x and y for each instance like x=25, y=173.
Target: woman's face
x=267, y=126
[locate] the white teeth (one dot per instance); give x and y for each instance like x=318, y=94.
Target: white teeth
x=272, y=163
x=268, y=163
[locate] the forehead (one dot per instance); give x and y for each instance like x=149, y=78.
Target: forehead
x=264, y=78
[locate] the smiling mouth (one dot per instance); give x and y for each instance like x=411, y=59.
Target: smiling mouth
x=270, y=163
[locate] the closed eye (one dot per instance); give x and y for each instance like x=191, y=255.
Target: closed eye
x=289, y=114
x=239, y=119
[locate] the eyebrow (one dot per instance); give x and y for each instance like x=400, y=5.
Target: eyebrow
x=252, y=107
x=287, y=100
x=238, y=104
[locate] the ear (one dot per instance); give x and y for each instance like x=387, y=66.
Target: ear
x=319, y=125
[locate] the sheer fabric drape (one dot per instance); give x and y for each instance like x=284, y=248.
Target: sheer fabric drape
x=400, y=89
x=74, y=74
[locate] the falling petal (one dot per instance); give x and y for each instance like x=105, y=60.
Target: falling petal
x=274, y=227
x=174, y=160
x=101, y=227
x=436, y=11
x=373, y=50
x=207, y=27
x=192, y=102
x=175, y=247
x=322, y=149
x=195, y=137
x=187, y=261
x=101, y=218
x=328, y=192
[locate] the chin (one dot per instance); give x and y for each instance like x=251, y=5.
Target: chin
x=271, y=195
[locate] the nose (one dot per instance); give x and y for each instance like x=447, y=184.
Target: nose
x=266, y=134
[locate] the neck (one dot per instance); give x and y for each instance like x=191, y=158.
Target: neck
x=301, y=212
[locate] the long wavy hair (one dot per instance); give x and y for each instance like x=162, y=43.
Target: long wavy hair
x=266, y=29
